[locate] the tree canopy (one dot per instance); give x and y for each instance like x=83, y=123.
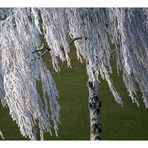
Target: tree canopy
x=92, y=30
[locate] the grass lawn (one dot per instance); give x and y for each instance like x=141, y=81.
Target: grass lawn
x=118, y=123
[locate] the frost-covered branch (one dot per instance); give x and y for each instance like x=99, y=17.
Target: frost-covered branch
x=49, y=49
x=45, y=50
x=90, y=30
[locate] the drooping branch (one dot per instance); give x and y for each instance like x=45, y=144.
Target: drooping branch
x=45, y=50
x=49, y=49
x=126, y=27
x=1, y=135
x=75, y=39
x=19, y=79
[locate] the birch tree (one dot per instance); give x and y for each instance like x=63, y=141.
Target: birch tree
x=91, y=30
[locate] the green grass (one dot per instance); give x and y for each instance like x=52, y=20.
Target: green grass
x=118, y=123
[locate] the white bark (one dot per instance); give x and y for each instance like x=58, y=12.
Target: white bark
x=94, y=109
x=94, y=105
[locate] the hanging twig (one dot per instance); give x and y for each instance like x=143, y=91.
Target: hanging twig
x=1, y=135
x=75, y=39
x=49, y=49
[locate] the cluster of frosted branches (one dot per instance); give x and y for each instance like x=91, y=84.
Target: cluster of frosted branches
x=20, y=36
x=19, y=77
x=130, y=32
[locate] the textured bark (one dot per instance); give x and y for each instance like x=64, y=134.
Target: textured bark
x=94, y=108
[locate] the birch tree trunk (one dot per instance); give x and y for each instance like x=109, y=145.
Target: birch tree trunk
x=94, y=109
x=94, y=104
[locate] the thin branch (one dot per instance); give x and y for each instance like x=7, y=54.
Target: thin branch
x=49, y=49
x=44, y=52
x=75, y=39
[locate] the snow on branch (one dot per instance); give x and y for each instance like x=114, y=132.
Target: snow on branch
x=48, y=49
x=20, y=80
x=91, y=30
